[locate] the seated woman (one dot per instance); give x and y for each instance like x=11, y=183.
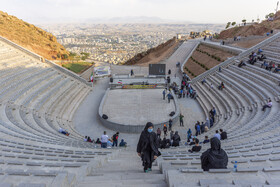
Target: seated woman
x=165, y=143
x=89, y=139
x=98, y=141
x=176, y=139
x=122, y=143
x=215, y=157
x=196, y=147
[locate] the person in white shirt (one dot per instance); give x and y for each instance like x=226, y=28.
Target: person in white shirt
x=217, y=135
x=268, y=105
x=104, y=140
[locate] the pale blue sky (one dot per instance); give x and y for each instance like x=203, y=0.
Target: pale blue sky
x=200, y=11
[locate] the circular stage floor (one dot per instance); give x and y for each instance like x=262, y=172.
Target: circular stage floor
x=137, y=106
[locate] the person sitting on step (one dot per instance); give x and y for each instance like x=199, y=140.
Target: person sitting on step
x=196, y=147
x=206, y=140
x=223, y=134
x=215, y=157
x=268, y=105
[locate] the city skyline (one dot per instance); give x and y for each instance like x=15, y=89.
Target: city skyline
x=200, y=11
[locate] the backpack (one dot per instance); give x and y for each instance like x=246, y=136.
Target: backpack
x=172, y=113
x=104, y=116
x=114, y=137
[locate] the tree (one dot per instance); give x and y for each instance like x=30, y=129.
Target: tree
x=270, y=15
x=228, y=24
x=244, y=21
x=233, y=23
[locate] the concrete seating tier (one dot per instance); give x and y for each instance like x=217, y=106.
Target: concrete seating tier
x=253, y=134
x=35, y=101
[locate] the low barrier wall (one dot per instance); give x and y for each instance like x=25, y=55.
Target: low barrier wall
x=133, y=128
x=235, y=51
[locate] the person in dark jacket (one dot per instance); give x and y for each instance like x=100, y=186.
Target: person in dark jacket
x=176, y=139
x=147, y=147
x=196, y=147
x=223, y=134
x=215, y=157
x=170, y=124
x=165, y=143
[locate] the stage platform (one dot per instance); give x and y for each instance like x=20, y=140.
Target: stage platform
x=129, y=110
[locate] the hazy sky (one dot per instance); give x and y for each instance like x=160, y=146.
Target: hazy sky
x=200, y=11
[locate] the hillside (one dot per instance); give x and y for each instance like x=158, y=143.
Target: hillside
x=249, y=30
x=31, y=37
x=156, y=54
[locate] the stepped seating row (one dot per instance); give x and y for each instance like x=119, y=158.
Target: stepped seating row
x=37, y=100
x=253, y=134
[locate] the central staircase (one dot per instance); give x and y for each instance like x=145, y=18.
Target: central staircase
x=125, y=170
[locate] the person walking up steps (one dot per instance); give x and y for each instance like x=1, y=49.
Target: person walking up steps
x=147, y=147
x=163, y=94
x=181, y=120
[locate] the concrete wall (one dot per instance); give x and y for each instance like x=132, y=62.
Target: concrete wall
x=133, y=128
x=235, y=51
x=37, y=57
x=185, y=61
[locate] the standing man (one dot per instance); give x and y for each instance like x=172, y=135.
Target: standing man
x=158, y=132
x=163, y=94
x=115, y=139
x=170, y=124
x=169, y=97
x=104, y=140
x=181, y=120
x=131, y=72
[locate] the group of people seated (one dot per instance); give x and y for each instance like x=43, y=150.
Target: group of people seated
x=253, y=57
x=107, y=142
x=167, y=143
x=195, y=141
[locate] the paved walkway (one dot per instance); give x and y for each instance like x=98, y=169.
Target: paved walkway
x=179, y=55
x=225, y=46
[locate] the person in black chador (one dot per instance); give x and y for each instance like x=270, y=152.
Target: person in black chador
x=147, y=147
x=215, y=157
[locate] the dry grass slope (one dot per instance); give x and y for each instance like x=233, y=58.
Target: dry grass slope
x=30, y=37
x=156, y=54
x=256, y=29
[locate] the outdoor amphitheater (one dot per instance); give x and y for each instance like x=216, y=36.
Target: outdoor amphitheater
x=38, y=97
